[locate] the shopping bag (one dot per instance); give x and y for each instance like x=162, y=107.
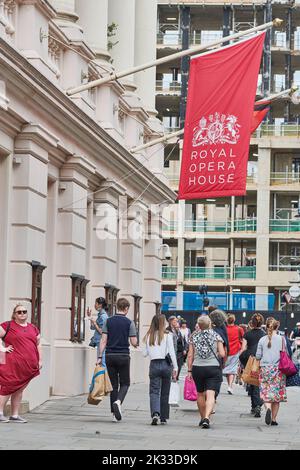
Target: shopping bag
x=190, y=391
x=100, y=386
x=251, y=372
x=174, y=394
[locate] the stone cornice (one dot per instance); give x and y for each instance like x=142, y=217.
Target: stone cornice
x=17, y=70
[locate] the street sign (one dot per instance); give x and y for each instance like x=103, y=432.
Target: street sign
x=294, y=291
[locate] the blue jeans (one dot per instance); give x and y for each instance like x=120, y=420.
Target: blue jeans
x=159, y=389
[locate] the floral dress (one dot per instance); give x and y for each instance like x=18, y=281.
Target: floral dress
x=272, y=384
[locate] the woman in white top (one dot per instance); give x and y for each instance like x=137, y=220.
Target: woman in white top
x=160, y=348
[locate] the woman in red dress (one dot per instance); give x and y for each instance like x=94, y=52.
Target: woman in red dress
x=22, y=363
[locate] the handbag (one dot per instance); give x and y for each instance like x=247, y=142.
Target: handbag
x=220, y=361
x=294, y=380
x=190, y=391
x=168, y=358
x=174, y=394
x=250, y=374
x=286, y=365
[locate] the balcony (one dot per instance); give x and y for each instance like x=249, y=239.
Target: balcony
x=195, y=272
x=204, y=226
x=273, y=130
x=239, y=272
x=245, y=225
x=285, y=225
x=168, y=88
x=169, y=39
x=278, y=178
x=287, y=267
x=244, y=272
x=169, y=272
x=170, y=130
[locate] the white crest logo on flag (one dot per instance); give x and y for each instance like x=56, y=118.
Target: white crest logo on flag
x=217, y=129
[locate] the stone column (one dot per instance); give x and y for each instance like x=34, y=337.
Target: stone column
x=123, y=15
x=65, y=8
x=71, y=368
x=263, y=208
x=93, y=17
x=105, y=243
x=145, y=49
x=28, y=235
x=32, y=34
x=6, y=171
x=132, y=273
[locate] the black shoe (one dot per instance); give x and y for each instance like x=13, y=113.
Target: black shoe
x=268, y=418
x=201, y=422
x=252, y=411
x=205, y=424
x=274, y=423
x=117, y=411
x=155, y=419
x=257, y=412
x=163, y=421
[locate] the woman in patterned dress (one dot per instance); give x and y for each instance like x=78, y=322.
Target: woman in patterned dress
x=271, y=380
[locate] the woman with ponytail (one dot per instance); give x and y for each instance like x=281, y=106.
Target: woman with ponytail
x=271, y=379
x=159, y=347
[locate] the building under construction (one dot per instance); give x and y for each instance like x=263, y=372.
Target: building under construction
x=245, y=249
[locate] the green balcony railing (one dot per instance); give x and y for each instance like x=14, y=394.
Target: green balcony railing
x=195, y=272
x=206, y=226
x=285, y=225
x=244, y=272
x=245, y=225
x=285, y=177
x=169, y=272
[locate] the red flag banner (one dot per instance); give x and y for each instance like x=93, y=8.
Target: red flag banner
x=261, y=109
x=222, y=89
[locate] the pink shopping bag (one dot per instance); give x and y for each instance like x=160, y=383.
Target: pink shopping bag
x=189, y=391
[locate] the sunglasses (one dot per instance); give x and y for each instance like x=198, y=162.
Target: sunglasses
x=20, y=312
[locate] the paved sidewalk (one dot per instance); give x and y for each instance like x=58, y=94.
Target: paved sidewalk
x=70, y=423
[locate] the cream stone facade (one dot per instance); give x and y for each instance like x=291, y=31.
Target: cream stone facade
x=67, y=176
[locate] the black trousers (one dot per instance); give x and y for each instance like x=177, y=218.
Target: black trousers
x=255, y=396
x=180, y=362
x=118, y=368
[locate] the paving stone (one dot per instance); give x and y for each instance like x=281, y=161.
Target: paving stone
x=70, y=423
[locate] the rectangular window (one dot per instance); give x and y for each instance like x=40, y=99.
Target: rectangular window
x=111, y=295
x=78, y=308
x=136, y=317
x=36, y=296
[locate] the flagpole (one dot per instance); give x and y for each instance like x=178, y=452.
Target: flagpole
x=165, y=138
x=177, y=55
x=289, y=91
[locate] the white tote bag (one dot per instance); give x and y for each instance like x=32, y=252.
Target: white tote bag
x=174, y=394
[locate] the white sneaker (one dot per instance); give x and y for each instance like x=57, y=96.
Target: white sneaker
x=114, y=419
x=229, y=391
x=3, y=419
x=116, y=406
